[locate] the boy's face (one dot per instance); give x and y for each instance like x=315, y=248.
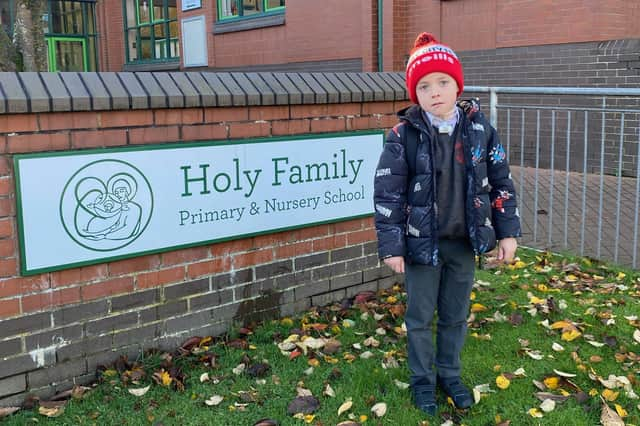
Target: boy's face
x=437, y=93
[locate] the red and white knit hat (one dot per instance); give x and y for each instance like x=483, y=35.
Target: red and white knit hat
x=429, y=55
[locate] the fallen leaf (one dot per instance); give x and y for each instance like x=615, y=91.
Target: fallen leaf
x=379, y=409
x=502, y=382
x=266, y=422
x=621, y=411
x=563, y=374
x=551, y=382
x=608, y=417
x=140, y=391
x=557, y=398
x=204, y=377
x=534, y=412
x=557, y=347
x=570, y=335
x=328, y=391
x=214, y=400
x=303, y=404
x=51, y=412
x=7, y=411
x=610, y=395
x=548, y=405
x=636, y=335
x=478, y=307
x=401, y=385
x=346, y=406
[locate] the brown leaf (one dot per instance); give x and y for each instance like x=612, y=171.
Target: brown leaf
x=238, y=344
x=303, y=404
x=609, y=417
x=332, y=346
x=7, y=411
x=364, y=297
x=547, y=395
x=610, y=341
x=515, y=318
x=190, y=343
x=258, y=370
x=266, y=422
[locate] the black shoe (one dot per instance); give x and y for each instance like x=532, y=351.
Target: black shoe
x=457, y=391
x=424, y=397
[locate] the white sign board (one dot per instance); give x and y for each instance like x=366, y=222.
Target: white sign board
x=194, y=42
x=84, y=207
x=191, y=4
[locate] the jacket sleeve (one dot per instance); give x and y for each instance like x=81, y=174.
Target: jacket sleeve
x=504, y=212
x=390, y=195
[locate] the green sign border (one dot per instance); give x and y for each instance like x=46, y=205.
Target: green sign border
x=18, y=157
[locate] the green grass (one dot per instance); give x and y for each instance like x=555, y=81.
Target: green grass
x=366, y=382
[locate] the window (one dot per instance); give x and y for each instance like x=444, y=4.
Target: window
x=151, y=33
x=228, y=9
x=71, y=36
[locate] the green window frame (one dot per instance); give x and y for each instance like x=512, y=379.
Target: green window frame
x=151, y=31
x=243, y=9
x=73, y=19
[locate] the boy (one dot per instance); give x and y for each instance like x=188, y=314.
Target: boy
x=443, y=194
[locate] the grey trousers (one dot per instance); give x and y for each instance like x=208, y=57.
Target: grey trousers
x=445, y=288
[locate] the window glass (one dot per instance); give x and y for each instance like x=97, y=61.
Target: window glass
x=272, y=4
x=153, y=33
x=239, y=8
x=71, y=35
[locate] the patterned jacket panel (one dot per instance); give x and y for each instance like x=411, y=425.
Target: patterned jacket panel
x=406, y=211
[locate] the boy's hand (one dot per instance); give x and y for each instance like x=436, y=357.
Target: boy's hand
x=396, y=263
x=507, y=249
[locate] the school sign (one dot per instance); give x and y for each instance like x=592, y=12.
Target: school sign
x=84, y=207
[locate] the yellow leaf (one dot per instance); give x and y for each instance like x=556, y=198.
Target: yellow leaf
x=472, y=296
x=534, y=412
x=570, y=278
x=313, y=362
x=593, y=392
x=477, y=307
x=536, y=300
x=166, y=378
x=552, y=382
x=253, y=347
x=392, y=299
x=542, y=287
x=610, y=395
x=502, y=382
x=621, y=276
x=363, y=418
x=621, y=411
x=570, y=335
x=564, y=392
x=560, y=324
x=287, y=322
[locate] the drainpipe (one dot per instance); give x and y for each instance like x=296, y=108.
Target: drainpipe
x=380, y=35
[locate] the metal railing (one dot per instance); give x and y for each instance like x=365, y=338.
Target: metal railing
x=574, y=156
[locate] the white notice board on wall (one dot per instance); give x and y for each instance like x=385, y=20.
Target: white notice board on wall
x=194, y=42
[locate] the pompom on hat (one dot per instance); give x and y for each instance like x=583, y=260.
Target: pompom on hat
x=429, y=55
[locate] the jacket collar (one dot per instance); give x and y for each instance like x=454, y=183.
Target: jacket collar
x=413, y=114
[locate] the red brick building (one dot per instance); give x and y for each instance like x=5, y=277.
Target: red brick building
x=336, y=35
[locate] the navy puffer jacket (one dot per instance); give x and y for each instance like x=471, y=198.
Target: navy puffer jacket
x=406, y=211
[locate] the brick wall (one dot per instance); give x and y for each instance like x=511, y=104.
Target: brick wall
x=56, y=327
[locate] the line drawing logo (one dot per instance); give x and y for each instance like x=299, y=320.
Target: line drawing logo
x=106, y=205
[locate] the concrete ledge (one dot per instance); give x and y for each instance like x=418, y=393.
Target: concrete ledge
x=70, y=91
